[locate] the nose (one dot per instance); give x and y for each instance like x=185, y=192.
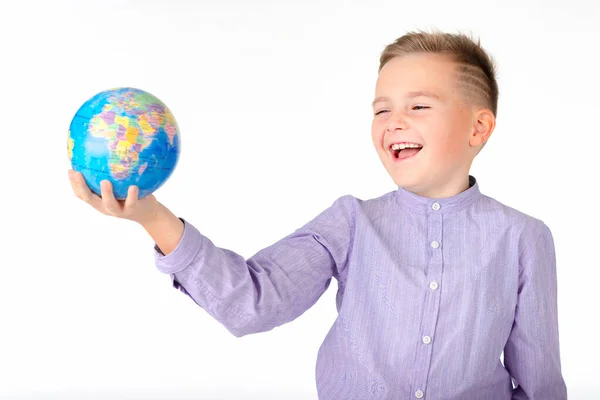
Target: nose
x=396, y=121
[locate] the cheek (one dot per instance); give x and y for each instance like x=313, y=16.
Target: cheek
x=448, y=136
x=376, y=134
x=453, y=151
x=444, y=146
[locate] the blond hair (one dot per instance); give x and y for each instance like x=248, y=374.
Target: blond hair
x=476, y=68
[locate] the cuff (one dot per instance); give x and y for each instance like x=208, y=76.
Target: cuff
x=183, y=255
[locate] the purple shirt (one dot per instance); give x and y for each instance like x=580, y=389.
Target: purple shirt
x=430, y=293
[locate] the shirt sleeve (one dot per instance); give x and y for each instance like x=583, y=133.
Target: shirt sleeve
x=532, y=354
x=274, y=286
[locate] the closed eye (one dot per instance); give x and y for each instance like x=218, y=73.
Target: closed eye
x=416, y=108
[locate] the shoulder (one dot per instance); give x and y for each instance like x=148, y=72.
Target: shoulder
x=372, y=208
x=515, y=217
x=531, y=231
x=348, y=207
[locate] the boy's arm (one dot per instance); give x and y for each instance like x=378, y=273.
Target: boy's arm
x=273, y=287
x=165, y=228
x=532, y=353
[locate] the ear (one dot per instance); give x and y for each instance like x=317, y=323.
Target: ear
x=484, y=123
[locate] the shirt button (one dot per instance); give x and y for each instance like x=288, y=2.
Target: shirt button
x=433, y=285
x=426, y=339
x=435, y=206
x=419, y=394
x=435, y=244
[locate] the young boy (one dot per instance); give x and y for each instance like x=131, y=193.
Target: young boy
x=435, y=279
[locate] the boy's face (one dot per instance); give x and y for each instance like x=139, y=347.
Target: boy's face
x=444, y=125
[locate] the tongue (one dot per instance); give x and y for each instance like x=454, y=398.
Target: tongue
x=407, y=153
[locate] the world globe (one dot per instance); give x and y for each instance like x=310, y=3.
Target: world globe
x=127, y=136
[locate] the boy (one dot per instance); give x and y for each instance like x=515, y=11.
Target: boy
x=435, y=279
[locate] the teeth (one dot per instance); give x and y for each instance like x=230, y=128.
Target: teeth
x=401, y=146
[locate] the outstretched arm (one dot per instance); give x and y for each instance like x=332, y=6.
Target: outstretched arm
x=274, y=286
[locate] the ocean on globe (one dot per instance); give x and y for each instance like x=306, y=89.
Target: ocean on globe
x=127, y=136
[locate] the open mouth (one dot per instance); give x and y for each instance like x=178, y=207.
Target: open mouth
x=403, y=154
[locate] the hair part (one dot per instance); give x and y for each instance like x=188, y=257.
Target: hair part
x=476, y=68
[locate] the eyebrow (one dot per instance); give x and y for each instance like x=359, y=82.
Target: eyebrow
x=409, y=95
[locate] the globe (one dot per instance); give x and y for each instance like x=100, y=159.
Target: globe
x=127, y=136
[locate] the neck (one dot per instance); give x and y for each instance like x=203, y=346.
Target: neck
x=442, y=190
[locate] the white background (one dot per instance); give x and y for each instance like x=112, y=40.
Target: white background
x=273, y=102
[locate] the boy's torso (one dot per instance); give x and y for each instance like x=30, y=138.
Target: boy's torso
x=426, y=303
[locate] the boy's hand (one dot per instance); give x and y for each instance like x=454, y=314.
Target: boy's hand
x=141, y=211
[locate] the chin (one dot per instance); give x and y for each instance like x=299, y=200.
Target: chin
x=405, y=179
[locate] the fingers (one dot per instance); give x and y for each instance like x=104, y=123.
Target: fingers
x=111, y=205
x=77, y=189
x=82, y=191
x=132, y=197
x=106, y=203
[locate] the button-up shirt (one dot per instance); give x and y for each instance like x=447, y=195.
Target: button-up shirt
x=430, y=293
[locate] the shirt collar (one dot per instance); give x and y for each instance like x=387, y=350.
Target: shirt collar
x=426, y=205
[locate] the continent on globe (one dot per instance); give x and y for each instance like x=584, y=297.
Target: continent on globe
x=127, y=136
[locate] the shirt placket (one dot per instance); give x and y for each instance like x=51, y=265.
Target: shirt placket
x=432, y=299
